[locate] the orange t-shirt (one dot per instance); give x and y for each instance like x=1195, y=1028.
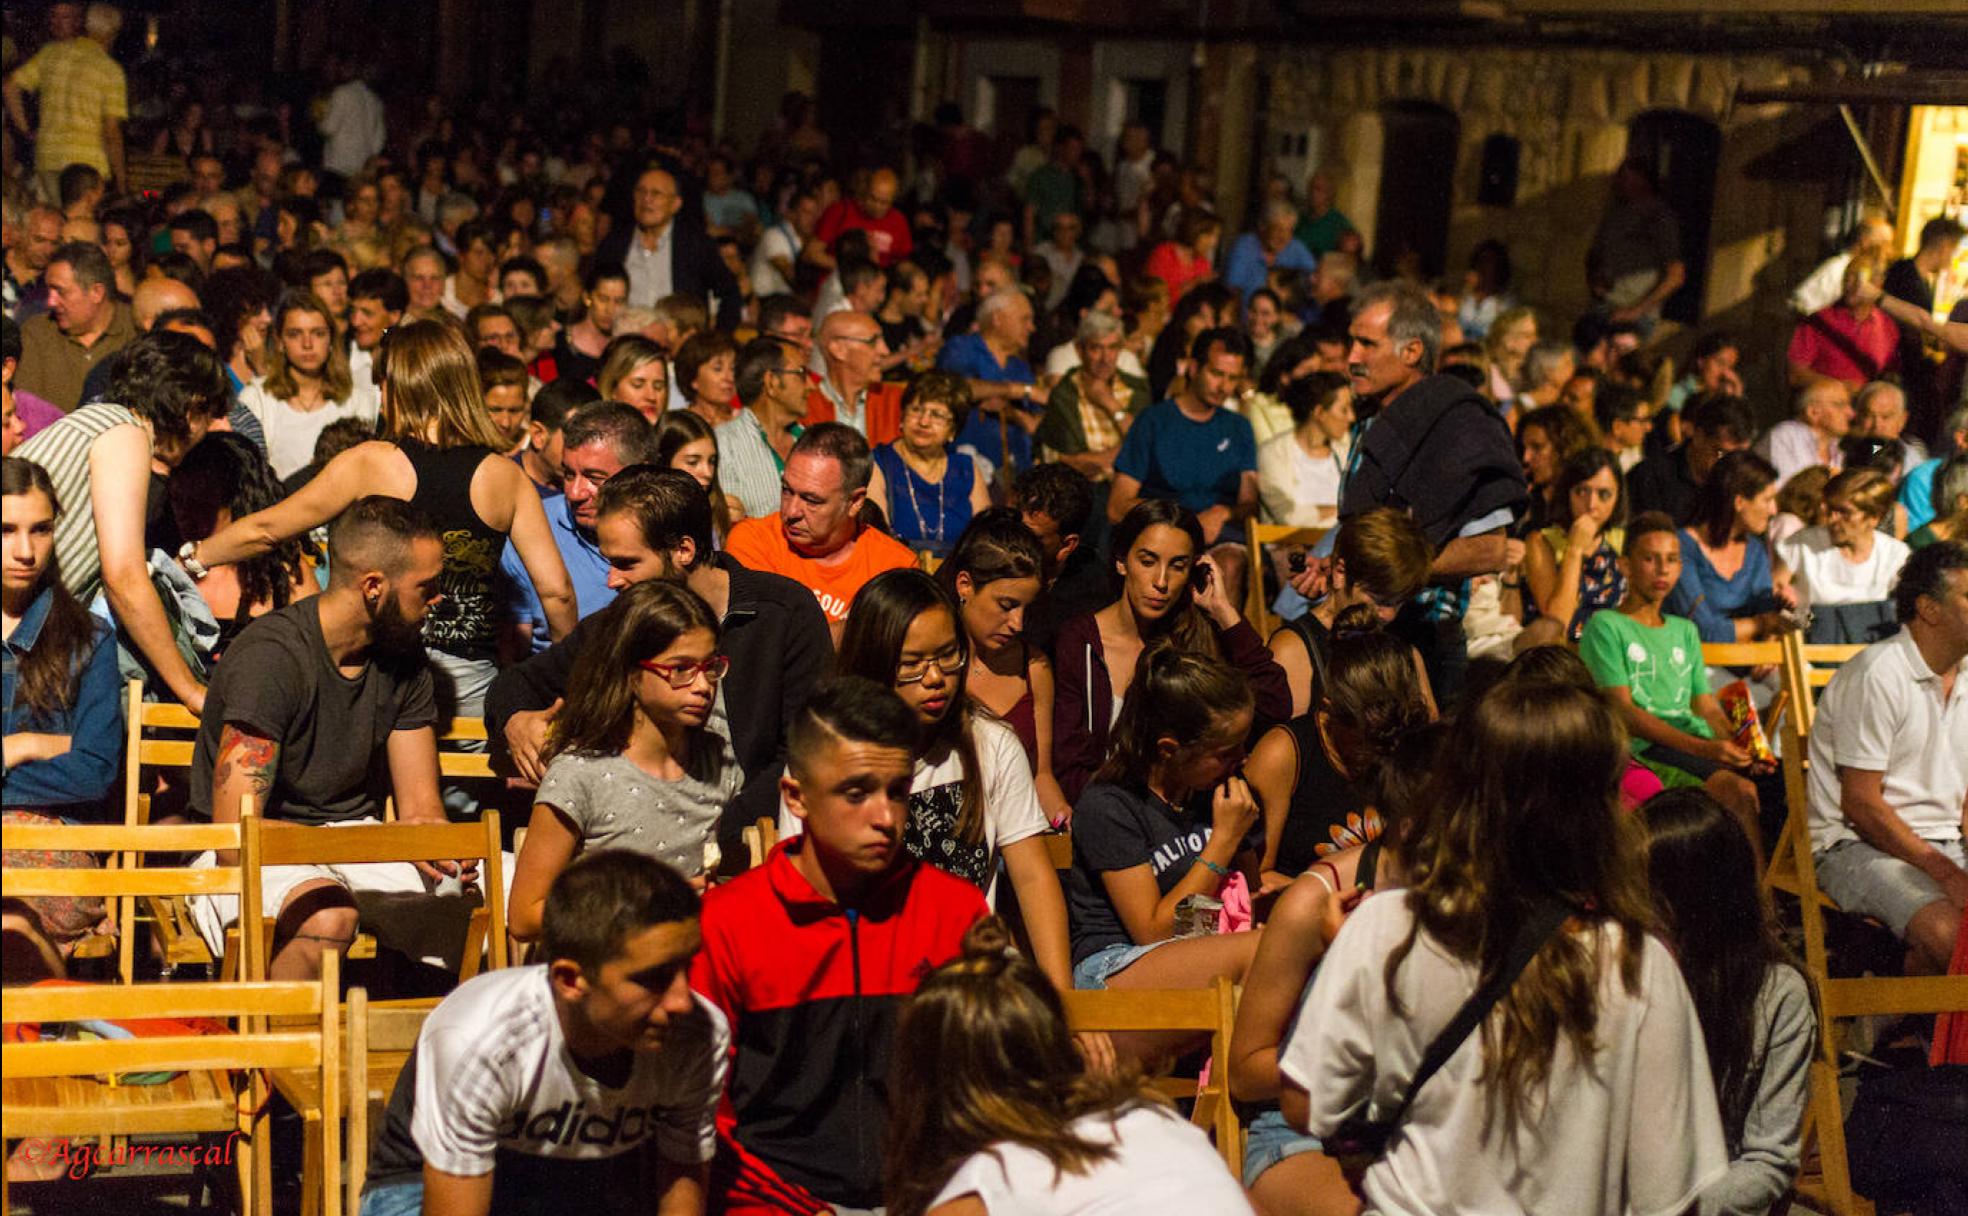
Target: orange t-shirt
x=760, y=544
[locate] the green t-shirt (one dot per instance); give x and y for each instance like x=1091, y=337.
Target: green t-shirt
x=1321, y=234
x=1049, y=191
x=1661, y=667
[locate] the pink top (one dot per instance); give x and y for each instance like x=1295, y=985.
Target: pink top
x=1637, y=785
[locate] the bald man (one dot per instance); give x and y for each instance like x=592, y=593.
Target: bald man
x=871, y=209
x=667, y=253
x=174, y=306
x=155, y=297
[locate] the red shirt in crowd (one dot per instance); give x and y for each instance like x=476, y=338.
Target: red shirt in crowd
x=1826, y=341
x=888, y=236
x=1167, y=264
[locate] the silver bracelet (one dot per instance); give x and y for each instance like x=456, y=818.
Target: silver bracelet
x=188, y=558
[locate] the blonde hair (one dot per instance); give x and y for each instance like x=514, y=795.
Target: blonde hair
x=431, y=392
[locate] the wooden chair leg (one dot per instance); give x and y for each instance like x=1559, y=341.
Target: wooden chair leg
x=311, y=1163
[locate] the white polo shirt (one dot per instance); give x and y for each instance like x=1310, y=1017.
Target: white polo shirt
x=1883, y=712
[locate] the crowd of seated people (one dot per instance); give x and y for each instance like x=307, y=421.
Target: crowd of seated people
x=903, y=515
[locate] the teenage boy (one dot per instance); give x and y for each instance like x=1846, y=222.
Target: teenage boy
x=1649, y=664
x=573, y=1080
x=811, y=955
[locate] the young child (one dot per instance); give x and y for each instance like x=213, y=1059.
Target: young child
x=1649, y=664
x=633, y=761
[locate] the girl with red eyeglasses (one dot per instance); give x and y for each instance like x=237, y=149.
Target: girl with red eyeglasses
x=640, y=756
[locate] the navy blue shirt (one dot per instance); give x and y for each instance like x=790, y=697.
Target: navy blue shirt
x=1198, y=464
x=968, y=356
x=93, y=721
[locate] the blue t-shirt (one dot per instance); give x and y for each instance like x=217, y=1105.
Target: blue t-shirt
x=1715, y=603
x=969, y=357
x=1198, y=464
x=587, y=569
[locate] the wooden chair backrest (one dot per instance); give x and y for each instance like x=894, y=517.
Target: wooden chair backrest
x=378, y=1027
x=453, y=763
x=1743, y=654
x=308, y=1037
x=279, y=844
x=1212, y=1010
x=759, y=839
x=157, y=735
x=121, y=884
x=1257, y=609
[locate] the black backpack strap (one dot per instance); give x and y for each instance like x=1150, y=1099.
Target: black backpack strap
x=1544, y=921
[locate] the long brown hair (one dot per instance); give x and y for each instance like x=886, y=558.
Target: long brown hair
x=1184, y=624
x=336, y=381
x=48, y=671
x=1523, y=809
x=982, y=1056
x=677, y=429
x=431, y=392
x=1371, y=696
x=643, y=622
x=1175, y=694
x=871, y=647
x=1703, y=871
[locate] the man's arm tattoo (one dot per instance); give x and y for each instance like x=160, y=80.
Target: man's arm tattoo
x=250, y=757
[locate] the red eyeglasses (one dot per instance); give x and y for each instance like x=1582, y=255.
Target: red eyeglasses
x=683, y=675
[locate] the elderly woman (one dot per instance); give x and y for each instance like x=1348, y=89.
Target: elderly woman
x=928, y=488
x=706, y=373
x=1846, y=559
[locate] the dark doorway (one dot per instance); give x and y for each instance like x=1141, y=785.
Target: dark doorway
x=1683, y=152
x=1014, y=99
x=1147, y=104
x=1419, y=142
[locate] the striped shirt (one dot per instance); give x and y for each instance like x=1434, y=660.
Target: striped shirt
x=63, y=450
x=747, y=465
x=80, y=86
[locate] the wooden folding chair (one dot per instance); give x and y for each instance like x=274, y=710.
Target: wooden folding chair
x=277, y=844
x=129, y=880
x=1211, y=1010
x=157, y=735
x=1257, y=607
x=759, y=840
x=381, y=1035
x=1840, y=999
x=454, y=763
x=58, y=1089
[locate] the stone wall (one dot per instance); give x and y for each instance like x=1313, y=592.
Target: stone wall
x=1569, y=110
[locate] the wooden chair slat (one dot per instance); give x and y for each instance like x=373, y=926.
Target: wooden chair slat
x=121, y=883
x=291, y=844
x=111, y=1056
x=261, y=998
x=118, y=838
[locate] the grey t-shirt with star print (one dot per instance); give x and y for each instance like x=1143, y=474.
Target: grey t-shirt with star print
x=615, y=805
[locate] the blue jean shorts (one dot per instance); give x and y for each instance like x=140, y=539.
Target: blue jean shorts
x=1093, y=971
x=1268, y=1141
x=404, y=1199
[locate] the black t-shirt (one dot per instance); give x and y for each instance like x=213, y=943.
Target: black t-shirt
x=1327, y=814
x=278, y=680
x=1118, y=828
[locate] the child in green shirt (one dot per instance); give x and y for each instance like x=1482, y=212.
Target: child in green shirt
x=1649, y=665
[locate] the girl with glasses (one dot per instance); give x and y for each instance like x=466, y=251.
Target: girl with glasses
x=634, y=760
x=972, y=800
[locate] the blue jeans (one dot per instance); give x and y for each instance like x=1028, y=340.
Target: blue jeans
x=1093, y=971
x=1270, y=1140
x=403, y=1199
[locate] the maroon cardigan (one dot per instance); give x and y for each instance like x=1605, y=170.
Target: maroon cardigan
x=1083, y=695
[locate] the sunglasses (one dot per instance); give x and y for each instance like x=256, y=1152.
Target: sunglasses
x=683, y=675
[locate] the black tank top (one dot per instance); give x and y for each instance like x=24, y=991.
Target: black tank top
x=1326, y=813
x=465, y=622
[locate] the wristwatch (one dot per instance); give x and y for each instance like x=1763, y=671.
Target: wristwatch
x=188, y=558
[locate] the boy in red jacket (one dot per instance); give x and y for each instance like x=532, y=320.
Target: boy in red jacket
x=810, y=957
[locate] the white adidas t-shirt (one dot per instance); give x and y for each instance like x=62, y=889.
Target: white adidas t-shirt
x=1163, y=1167
x=494, y=1082
x=1632, y=1132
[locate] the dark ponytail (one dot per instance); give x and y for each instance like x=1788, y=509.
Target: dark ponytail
x=1174, y=693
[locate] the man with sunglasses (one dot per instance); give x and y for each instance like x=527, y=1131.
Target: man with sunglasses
x=652, y=524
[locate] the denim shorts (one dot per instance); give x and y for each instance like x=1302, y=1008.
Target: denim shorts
x=1269, y=1140
x=1093, y=971
x=403, y=1199
x=1866, y=882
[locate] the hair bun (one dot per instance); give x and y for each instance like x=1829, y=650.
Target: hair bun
x=989, y=938
x=1355, y=621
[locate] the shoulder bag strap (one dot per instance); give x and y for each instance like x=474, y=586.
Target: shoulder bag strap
x=1544, y=921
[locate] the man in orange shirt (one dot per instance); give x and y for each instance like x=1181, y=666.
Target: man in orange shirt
x=816, y=538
